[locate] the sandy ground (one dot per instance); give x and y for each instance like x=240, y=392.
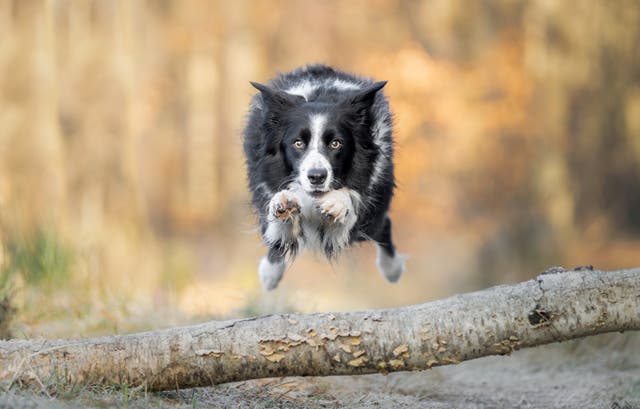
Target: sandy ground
x=600, y=372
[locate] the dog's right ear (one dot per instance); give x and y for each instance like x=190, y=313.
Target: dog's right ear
x=276, y=99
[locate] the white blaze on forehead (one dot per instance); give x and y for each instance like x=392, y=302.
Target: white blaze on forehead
x=313, y=158
x=317, y=123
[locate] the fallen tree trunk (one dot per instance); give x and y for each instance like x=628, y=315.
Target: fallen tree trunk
x=553, y=307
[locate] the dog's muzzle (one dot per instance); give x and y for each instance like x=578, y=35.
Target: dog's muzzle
x=317, y=176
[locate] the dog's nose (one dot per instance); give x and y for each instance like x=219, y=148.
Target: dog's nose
x=317, y=176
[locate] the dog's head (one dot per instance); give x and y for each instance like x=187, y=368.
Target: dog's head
x=325, y=143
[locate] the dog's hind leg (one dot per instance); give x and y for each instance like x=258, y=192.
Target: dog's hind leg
x=272, y=268
x=390, y=263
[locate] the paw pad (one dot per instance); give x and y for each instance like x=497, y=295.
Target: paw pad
x=285, y=207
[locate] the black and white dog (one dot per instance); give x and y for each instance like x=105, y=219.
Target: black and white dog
x=319, y=155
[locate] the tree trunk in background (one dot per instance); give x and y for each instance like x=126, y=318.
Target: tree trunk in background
x=554, y=307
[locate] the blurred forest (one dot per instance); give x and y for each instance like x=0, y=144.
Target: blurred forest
x=123, y=202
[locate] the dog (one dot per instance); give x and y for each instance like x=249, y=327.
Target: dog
x=319, y=157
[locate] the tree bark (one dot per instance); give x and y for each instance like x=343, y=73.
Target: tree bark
x=556, y=306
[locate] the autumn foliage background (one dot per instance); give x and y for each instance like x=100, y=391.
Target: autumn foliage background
x=123, y=202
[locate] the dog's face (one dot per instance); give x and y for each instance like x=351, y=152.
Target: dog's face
x=320, y=142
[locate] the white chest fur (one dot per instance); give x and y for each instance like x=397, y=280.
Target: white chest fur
x=327, y=221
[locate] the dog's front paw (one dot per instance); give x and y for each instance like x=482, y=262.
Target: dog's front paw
x=284, y=206
x=336, y=206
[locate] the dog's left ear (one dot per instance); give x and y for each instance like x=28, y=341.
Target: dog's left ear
x=367, y=95
x=359, y=102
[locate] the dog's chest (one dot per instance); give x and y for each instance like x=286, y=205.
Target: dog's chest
x=313, y=225
x=320, y=232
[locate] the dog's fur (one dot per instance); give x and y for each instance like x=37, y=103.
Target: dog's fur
x=319, y=154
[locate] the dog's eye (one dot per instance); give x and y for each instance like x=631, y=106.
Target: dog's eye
x=298, y=144
x=335, y=144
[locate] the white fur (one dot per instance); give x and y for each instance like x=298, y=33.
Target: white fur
x=339, y=208
x=278, y=230
x=270, y=274
x=336, y=212
x=313, y=159
x=345, y=85
x=380, y=129
x=390, y=267
x=337, y=204
x=317, y=123
x=310, y=218
x=304, y=89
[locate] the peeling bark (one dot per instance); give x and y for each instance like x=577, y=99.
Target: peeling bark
x=558, y=305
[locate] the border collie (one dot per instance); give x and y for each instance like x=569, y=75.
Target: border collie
x=319, y=155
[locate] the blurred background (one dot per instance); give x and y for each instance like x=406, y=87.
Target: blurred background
x=123, y=202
